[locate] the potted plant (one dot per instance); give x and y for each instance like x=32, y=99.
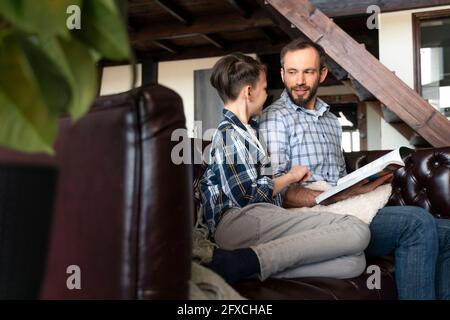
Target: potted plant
x=48, y=55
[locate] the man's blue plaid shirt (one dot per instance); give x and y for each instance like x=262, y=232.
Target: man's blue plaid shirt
x=297, y=136
x=239, y=172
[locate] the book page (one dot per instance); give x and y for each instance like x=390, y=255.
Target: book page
x=374, y=166
x=331, y=192
x=371, y=171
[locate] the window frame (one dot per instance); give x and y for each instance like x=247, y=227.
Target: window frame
x=417, y=18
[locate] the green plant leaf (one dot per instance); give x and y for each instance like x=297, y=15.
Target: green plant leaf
x=28, y=95
x=78, y=65
x=43, y=17
x=103, y=28
x=5, y=28
x=17, y=133
x=53, y=84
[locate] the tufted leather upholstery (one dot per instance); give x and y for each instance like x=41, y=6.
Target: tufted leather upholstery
x=424, y=181
x=115, y=215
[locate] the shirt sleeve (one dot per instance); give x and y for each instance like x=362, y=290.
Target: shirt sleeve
x=238, y=176
x=342, y=169
x=341, y=159
x=276, y=138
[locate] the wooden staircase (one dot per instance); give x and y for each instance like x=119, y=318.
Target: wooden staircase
x=356, y=68
x=384, y=112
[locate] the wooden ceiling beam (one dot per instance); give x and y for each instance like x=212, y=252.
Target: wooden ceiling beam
x=203, y=25
x=242, y=7
x=260, y=47
x=343, y=8
x=268, y=33
x=214, y=41
x=167, y=45
x=132, y=26
x=175, y=11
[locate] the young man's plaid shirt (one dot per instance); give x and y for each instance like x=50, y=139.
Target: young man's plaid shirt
x=239, y=172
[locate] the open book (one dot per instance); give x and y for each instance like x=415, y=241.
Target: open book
x=371, y=171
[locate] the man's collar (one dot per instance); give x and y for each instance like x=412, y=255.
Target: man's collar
x=319, y=108
x=253, y=122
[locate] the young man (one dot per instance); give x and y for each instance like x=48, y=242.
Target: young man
x=299, y=129
x=241, y=201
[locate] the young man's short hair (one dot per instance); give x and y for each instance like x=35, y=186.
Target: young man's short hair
x=234, y=71
x=299, y=44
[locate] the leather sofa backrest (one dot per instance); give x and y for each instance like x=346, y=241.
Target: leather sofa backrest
x=115, y=216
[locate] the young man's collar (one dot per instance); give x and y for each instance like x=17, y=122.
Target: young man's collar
x=253, y=122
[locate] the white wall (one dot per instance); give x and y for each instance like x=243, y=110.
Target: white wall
x=396, y=53
x=176, y=75
x=179, y=76
x=118, y=79
x=373, y=129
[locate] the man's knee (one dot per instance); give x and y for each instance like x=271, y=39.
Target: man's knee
x=443, y=228
x=409, y=217
x=420, y=219
x=418, y=226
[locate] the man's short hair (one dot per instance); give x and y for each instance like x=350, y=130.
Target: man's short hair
x=299, y=44
x=234, y=71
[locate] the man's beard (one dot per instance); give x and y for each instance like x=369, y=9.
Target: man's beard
x=300, y=101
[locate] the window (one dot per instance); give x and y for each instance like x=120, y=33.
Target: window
x=348, y=118
x=117, y=79
x=432, y=58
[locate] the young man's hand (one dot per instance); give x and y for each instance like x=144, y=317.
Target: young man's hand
x=299, y=174
x=360, y=188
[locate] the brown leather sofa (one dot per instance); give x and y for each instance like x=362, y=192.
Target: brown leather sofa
x=124, y=211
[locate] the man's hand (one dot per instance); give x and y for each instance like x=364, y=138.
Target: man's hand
x=297, y=197
x=360, y=188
